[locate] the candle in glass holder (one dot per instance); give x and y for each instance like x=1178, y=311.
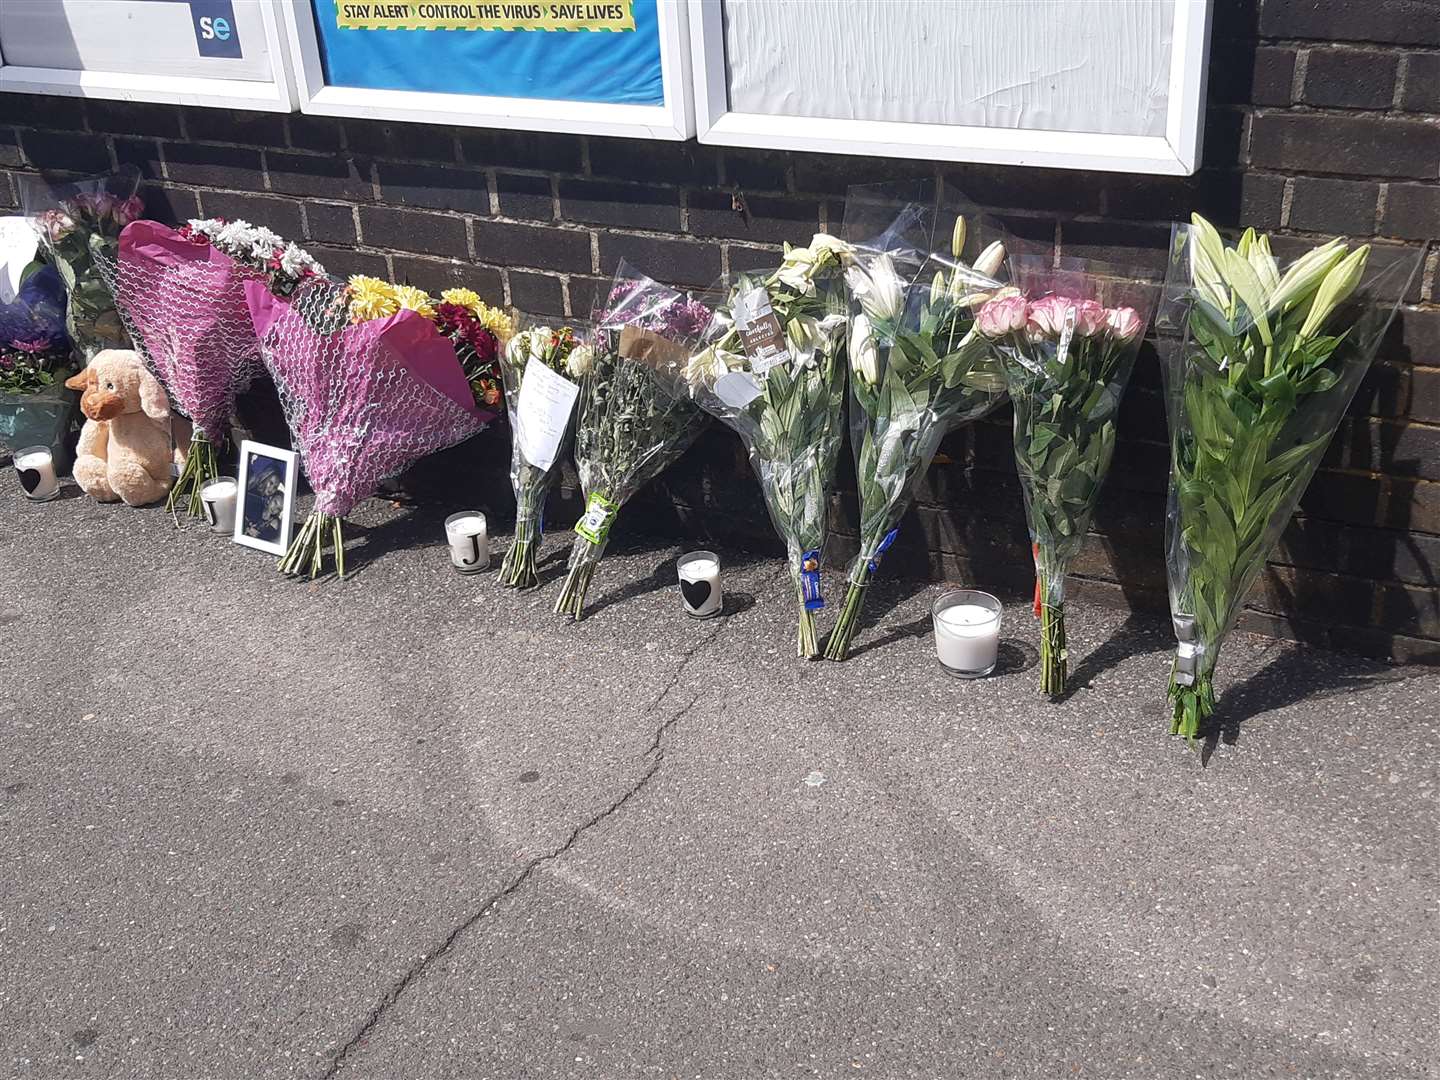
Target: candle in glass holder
x=217, y=499
x=967, y=632
x=700, y=584
x=36, y=468
x=469, y=541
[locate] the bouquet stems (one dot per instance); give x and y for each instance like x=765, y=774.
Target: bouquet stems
x=837, y=647
x=807, y=642
x=1052, y=649
x=201, y=466
x=1192, y=706
x=577, y=583
x=307, y=550
x=518, y=569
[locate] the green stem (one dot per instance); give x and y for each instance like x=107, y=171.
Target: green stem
x=307, y=550
x=837, y=647
x=201, y=466
x=1052, y=648
x=572, y=595
x=1192, y=706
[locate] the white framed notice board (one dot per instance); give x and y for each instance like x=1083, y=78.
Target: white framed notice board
x=222, y=53
x=1115, y=85
x=600, y=67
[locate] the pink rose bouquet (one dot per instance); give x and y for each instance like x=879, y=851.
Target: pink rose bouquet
x=1067, y=356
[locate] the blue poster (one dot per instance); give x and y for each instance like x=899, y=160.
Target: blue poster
x=576, y=51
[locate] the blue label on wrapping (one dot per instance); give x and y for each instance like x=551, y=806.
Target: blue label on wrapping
x=540, y=526
x=884, y=547
x=810, y=581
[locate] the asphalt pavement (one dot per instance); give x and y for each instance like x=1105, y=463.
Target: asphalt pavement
x=415, y=825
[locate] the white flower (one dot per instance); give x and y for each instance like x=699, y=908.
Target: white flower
x=864, y=360
x=796, y=277
x=578, y=363
x=877, y=288
x=704, y=368
x=822, y=244
x=234, y=234
x=539, y=340
x=990, y=259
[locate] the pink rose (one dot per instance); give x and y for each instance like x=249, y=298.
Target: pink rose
x=1089, y=318
x=1002, y=316
x=1047, y=317
x=1124, y=323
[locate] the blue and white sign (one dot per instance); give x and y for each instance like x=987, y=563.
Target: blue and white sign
x=601, y=52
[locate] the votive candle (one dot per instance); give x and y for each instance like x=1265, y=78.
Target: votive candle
x=700, y=588
x=217, y=499
x=469, y=541
x=967, y=632
x=35, y=466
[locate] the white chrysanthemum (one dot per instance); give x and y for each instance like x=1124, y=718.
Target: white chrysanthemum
x=578, y=363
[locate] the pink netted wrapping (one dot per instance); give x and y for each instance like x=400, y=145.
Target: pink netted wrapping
x=183, y=302
x=363, y=401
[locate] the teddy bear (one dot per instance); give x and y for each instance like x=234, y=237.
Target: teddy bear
x=125, y=448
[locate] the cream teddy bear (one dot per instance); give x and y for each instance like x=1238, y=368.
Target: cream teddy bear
x=125, y=448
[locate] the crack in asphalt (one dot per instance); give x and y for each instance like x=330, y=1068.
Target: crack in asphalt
x=655, y=752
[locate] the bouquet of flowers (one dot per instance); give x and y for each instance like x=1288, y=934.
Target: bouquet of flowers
x=1067, y=356
x=78, y=222
x=630, y=426
x=476, y=330
x=542, y=368
x=1270, y=362
x=34, y=350
x=364, y=397
x=181, y=294
x=918, y=369
x=773, y=368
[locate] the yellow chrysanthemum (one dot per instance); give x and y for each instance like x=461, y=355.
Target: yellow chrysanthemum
x=412, y=299
x=496, y=321
x=371, y=298
x=466, y=298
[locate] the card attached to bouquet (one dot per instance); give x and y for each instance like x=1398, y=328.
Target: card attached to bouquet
x=737, y=389
x=760, y=331
x=18, y=244
x=546, y=402
x=649, y=348
x=599, y=516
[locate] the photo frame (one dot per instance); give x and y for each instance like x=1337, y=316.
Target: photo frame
x=265, y=503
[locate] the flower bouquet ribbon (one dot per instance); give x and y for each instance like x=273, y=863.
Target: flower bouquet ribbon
x=919, y=368
x=1268, y=365
x=541, y=368
x=772, y=368
x=182, y=297
x=363, y=399
x=630, y=424
x=1067, y=344
x=78, y=223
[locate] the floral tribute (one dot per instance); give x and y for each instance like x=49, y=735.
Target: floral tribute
x=34, y=350
x=1067, y=358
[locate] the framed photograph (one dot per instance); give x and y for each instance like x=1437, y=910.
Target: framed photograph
x=1072, y=84
x=615, y=68
x=266, y=509
x=221, y=53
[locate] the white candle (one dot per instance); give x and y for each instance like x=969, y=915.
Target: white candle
x=700, y=588
x=36, y=469
x=967, y=632
x=469, y=541
x=217, y=498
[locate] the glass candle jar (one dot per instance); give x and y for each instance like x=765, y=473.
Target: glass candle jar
x=967, y=632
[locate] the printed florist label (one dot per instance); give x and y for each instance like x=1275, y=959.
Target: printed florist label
x=618, y=15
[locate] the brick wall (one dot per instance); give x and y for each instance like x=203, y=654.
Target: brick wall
x=1324, y=117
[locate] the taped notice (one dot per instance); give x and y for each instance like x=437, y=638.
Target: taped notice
x=543, y=413
x=760, y=333
x=616, y=15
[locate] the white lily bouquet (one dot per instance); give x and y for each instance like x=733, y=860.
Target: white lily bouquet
x=541, y=367
x=772, y=367
x=1270, y=362
x=919, y=368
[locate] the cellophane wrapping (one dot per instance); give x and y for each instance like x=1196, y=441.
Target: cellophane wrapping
x=363, y=400
x=77, y=222
x=630, y=424
x=918, y=367
x=1270, y=358
x=565, y=350
x=780, y=384
x=1067, y=338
